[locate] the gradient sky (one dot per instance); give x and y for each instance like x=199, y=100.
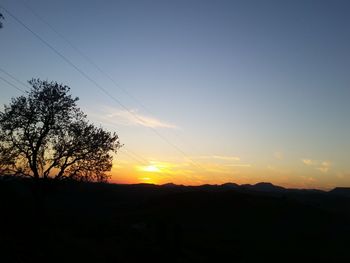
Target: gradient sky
x=249, y=91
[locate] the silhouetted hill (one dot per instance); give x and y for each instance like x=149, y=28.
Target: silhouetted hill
x=230, y=185
x=341, y=191
x=169, y=185
x=264, y=187
x=87, y=222
x=172, y=185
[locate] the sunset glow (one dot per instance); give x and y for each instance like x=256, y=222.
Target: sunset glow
x=199, y=92
x=150, y=169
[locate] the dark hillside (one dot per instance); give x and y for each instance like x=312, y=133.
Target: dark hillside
x=80, y=222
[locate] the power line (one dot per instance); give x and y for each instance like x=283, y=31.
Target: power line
x=87, y=58
x=136, y=157
x=102, y=72
x=100, y=87
x=132, y=155
x=12, y=85
x=127, y=152
x=82, y=54
x=14, y=78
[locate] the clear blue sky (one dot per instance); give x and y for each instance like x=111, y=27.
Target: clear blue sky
x=249, y=90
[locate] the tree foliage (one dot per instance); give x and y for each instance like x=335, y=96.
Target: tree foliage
x=45, y=135
x=1, y=18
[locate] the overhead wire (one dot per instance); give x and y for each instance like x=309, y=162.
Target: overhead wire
x=82, y=54
x=68, y=61
x=144, y=161
x=132, y=155
x=12, y=85
x=14, y=78
x=88, y=59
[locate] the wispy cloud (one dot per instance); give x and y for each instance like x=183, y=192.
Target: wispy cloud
x=219, y=157
x=221, y=162
x=322, y=166
x=226, y=158
x=343, y=175
x=239, y=165
x=131, y=118
x=308, y=162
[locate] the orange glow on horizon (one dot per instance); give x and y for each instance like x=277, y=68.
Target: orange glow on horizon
x=150, y=169
x=219, y=170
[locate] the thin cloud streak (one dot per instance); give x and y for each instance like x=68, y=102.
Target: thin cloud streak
x=133, y=118
x=322, y=166
x=219, y=157
x=227, y=158
x=239, y=165
x=308, y=162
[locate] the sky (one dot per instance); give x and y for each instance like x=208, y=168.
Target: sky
x=199, y=92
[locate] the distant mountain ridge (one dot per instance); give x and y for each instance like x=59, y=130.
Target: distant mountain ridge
x=342, y=191
x=264, y=187
x=260, y=187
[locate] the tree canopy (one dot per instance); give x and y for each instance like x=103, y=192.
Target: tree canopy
x=1, y=18
x=45, y=135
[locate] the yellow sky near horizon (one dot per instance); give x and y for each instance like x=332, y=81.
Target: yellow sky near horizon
x=305, y=173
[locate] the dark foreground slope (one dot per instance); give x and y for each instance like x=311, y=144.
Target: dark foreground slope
x=146, y=223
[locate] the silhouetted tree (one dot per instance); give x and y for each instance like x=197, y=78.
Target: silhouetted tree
x=1, y=18
x=45, y=135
